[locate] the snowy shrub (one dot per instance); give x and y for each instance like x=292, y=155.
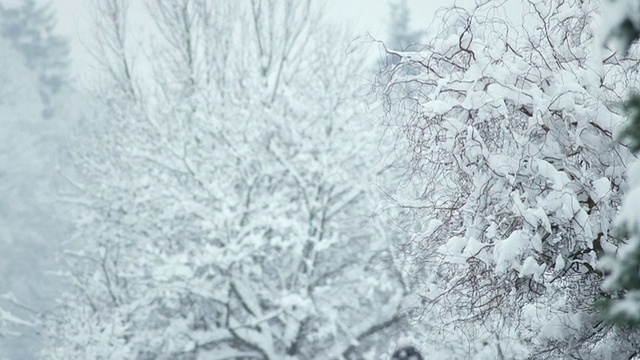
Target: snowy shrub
x=509, y=114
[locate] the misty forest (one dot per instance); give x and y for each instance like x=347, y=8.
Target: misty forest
x=253, y=179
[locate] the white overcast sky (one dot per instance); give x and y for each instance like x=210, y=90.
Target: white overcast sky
x=364, y=15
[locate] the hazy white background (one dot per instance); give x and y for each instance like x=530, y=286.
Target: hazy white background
x=363, y=16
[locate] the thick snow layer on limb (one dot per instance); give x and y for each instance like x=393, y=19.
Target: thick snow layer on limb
x=509, y=126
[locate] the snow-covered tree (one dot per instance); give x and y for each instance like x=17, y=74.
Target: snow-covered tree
x=515, y=176
x=224, y=204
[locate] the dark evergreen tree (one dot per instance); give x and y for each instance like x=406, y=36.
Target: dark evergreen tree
x=401, y=37
x=30, y=28
x=36, y=110
x=621, y=304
